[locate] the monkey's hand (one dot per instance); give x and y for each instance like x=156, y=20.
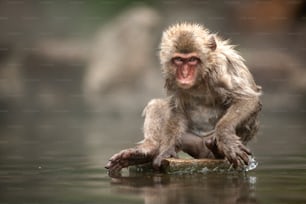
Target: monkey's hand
x=167, y=153
x=230, y=147
x=128, y=157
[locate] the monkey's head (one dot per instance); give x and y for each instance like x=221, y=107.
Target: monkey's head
x=185, y=50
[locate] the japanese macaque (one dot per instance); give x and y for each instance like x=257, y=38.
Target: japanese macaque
x=211, y=106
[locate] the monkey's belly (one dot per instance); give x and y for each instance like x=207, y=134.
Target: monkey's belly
x=203, y=120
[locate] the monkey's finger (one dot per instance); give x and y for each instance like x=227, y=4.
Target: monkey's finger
x=171, y=155
x=245, y=149
x=111, y=169
x=126, y=154
x=111, y=159
x=232, y=159
x=134, y=161
x=137, y=156
x=125, y=163
x=244, y=157
x=108, y=165
x=212, y=146
x=238, y=162
x=116, y=168
x=115, y=157
x=157, y=163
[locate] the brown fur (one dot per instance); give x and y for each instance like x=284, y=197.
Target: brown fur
x=214, y=118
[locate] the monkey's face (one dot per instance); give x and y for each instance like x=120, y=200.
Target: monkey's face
x=186, y=68
x=185, y=55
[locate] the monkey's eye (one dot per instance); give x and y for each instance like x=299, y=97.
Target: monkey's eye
x=178, y=60
x=193, y=60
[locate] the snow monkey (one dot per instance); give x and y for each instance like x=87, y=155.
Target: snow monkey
x=211, y=106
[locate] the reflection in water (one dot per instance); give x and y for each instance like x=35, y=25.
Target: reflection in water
x=209, y=188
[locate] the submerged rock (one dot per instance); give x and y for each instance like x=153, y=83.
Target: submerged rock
x=190, y=166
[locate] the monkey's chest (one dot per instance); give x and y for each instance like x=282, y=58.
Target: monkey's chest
x=202, y=119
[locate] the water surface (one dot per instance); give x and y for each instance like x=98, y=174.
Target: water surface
x=50, y=159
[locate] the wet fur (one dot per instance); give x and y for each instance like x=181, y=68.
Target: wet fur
x=220, y=110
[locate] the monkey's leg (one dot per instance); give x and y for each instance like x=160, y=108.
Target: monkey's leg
x=195, y=146
x=173, y=130
x=206, y=146
x=155, y=113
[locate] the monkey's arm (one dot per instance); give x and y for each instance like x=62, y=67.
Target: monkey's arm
x=228, y=143
x=172, y=133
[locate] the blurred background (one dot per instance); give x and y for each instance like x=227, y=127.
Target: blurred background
x=75, y=76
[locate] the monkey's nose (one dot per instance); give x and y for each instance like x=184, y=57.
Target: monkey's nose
x=185, y=71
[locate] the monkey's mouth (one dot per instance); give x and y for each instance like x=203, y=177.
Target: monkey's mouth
x=185, y=75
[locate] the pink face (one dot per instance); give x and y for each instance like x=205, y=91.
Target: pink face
x=186, y=69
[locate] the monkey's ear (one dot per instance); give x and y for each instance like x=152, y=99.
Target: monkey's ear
x=212, y=44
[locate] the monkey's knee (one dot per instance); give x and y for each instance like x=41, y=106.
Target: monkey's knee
x=155, y=107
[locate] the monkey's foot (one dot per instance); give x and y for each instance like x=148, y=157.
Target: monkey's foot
x=127, y=158
x=234, y=151
x=212, y=146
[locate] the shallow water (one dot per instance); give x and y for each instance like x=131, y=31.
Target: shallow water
x=50, y=159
